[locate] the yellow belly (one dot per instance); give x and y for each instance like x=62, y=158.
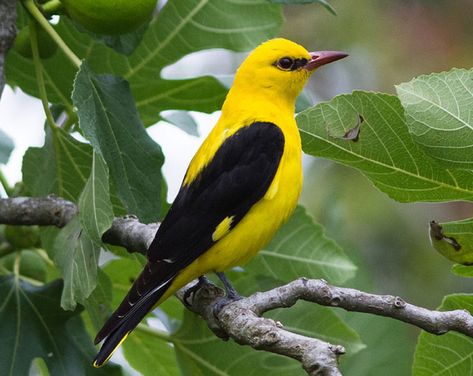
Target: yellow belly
x=256, y=229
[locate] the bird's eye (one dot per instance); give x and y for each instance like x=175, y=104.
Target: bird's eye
x=285, y=63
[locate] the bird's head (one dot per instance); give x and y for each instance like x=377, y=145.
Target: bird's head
x=281, y=67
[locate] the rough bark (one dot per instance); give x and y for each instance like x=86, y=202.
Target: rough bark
x=7, y=34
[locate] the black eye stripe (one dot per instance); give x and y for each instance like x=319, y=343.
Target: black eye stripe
x=289, y=64
x=298, y=63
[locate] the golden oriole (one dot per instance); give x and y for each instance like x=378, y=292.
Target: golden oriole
x=241, y=185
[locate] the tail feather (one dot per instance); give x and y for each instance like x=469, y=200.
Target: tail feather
x=115, y=339
x=125, y=326
x=146, y=291
x=150, y=284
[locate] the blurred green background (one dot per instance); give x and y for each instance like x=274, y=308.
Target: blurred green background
x=389, y=42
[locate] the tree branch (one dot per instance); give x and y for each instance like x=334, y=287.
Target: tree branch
x=7, y=34
x=42, y=211
x=241, y=320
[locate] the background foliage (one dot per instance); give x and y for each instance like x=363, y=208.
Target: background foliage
x=413, y=144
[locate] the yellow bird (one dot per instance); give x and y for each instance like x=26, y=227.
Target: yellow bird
x=239, y=188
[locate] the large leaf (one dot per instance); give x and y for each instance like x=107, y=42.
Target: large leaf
x=454, y=240
x=58, y=73
x=109, y=120
x=300, y=249
x=150, y=355
x=33, y=325
x=182, y=27
x=440, y=116
x=391, y=357
x=61, y=166
x=383, y=149
x=32, y=265
x=77, y=256
x=6, y=147
x=98, y=303
x=313, y=321
x=200, y=353
x=448, y=354
x=324, y=3
x=463, y=270
x=182, y=120
x=95, y=208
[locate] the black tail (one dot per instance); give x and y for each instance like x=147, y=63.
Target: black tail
x=148, y=288
x=114, y=339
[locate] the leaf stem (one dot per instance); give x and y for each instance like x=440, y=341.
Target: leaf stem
x=38, y=16
x=39, y=76
x=6, y=187
x=43, y=254
x=16, y=265
x=69, y=122
x=161, y=334
x=52, y=6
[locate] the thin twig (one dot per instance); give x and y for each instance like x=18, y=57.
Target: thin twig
x=38, y=67
x=38, y=16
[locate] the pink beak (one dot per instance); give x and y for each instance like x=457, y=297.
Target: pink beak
x=319, y=58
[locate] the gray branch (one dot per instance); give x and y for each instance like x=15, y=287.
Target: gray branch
x=7, y=34
x=42, y=211
x=241, y=320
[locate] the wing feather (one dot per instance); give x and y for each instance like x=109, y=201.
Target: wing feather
x=236, y=178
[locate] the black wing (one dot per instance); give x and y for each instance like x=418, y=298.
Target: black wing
x=237, y=177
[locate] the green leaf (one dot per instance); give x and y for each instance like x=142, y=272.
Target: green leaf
x=463, y=270
x=122, y=273
x=391, y=357
x=313, y=321
x=202, y=25
x=454, y=240
x=109, y=120
x=150, y=355
x=76, y=254
x=450, y=353
x=202, y=94
x=183, y=120
x=200, y=353
x=383, y=151
x=122, y=43
x=32, y=325
x=31, y=264
x=439, y=115
x=98, y=303
x=324, y=3
x=95, y=208
x=300, y=249
x=58, y=73
x=61, y=166
x=6, y=147
x=182, y=27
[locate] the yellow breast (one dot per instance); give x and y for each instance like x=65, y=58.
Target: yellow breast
x=257, y=228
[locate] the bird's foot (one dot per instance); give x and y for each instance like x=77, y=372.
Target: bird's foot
x=222, y=302
x=192, y=290
x=231, y=294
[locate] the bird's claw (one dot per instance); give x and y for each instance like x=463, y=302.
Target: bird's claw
x=190, y=292
x=222, y=302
